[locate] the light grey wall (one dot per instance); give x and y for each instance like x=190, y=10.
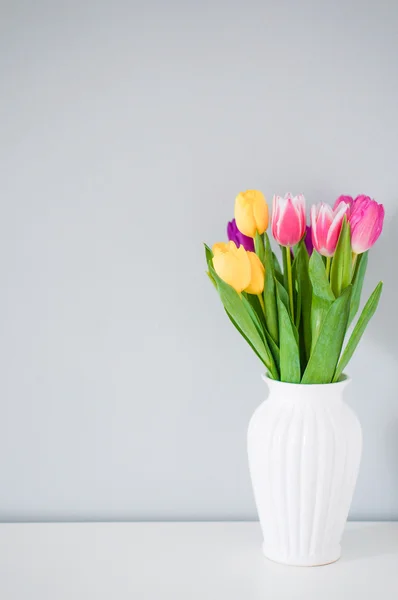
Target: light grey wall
x=126, y=131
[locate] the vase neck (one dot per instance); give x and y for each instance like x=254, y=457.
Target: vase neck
x=329, y=392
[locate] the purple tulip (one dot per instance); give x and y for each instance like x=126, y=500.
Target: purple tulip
x=234, y=235
x=308, y=240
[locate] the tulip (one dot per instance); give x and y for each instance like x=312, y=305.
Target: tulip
x=288, y=228
x=308, y=240
x=326, y=224
x=251, y=212
x=366, y=220
x=232, y=265
x=256, y=285
x=240, y=239
x=240, y=269
x=347, y=200
x=288, y=219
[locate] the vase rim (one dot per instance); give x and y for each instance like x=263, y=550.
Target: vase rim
x=343, y=381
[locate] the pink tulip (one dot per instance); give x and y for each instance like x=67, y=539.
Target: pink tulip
x=288, y=219
x=326, y=224
x=347, y=200
x=366, y=220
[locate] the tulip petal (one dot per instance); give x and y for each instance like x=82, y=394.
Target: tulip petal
x=260, y=213
x=326, y=225
x=288, y=219
x=347, y=200
x=240, y=239
x=366, y=222
x=232, y=265
x=251, y=212
x=256, y=285
x=335, y=227
x=314, y=229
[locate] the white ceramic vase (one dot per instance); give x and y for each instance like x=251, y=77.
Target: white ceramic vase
x=304, y=446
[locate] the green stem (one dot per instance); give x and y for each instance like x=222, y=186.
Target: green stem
x=354, y=262
x=260, y=297
x=289, y=279
x=328, y=263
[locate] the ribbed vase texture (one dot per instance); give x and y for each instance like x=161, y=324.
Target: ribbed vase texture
x=304, y=446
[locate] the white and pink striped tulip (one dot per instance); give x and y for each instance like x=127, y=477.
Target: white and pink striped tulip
x=326, y=224
x=288, y=219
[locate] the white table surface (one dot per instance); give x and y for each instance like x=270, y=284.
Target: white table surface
x=141, y=561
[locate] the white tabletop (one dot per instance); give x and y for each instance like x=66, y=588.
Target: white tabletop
x=186, y=561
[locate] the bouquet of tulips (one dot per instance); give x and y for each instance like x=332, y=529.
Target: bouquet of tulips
x=295, y=313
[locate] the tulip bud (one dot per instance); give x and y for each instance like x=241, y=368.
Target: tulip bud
x=240, y=239
x=347, y=200
x=232, y=265
x=326, y=225
x=256, y=285
x=251, y=212
x=288, y=219
x=366, y=220
x=308, y=240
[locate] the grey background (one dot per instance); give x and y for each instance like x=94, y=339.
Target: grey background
x=127, y=129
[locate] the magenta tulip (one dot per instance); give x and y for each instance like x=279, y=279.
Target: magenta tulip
x=326, y=224
x=288, y=219
x=366, y=220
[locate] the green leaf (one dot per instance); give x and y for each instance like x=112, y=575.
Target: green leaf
x=357, y=283
x=259, y=246
x=259, y=323
x=277, y=267
x=244, y=317
x=269, y=294
x=289, y=351
x=238, y=309
x=284, y=296
x=296, y=288
x=367, y=313
x=340, y=274
x=319, y=279
x=325, y=355
x=274, y=350
x=285, y=268
x=279, y=277
x=209, y=260
x=234, y=323
x=210, y=276
x=209, y=255
x=253, y=306
x=322, y=295
x=305, y=287
x=298, y=304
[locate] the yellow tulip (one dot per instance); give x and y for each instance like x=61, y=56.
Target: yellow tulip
x=232, y=265
x=242, y=270
x=256, y=284
x=251, y=212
